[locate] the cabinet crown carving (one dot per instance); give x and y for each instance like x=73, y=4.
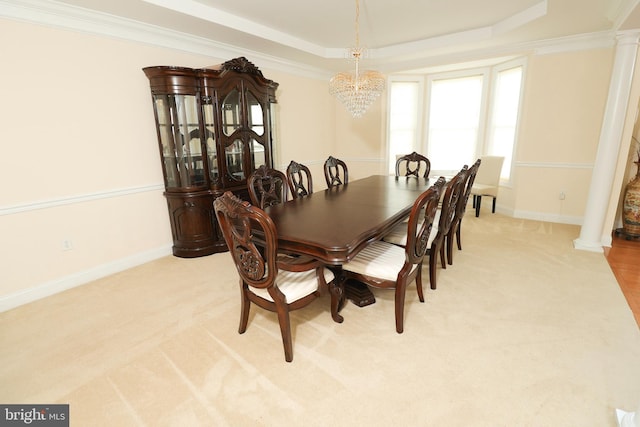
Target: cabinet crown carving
x=242, y=65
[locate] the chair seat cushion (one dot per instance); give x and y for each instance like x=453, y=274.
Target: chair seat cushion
x=379, y=259
x=295, y=285
x=398, y=235
x=484, y=190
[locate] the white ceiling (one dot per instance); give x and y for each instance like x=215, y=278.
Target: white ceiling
x=400, y=34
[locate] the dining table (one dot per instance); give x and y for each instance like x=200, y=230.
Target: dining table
x=335, y=224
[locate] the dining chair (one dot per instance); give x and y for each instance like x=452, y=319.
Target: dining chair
x=270, y=280
x=385, y=265
x=300, y=179
x=412, y=164
x=487, y=182
x=267, y=187
x=448, y=205
x=333, y=169
x=443, y=219
x=461, y=207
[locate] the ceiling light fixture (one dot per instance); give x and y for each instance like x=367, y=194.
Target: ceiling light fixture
x=357, y=90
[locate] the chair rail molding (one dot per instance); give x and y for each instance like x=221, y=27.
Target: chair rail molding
x=70, y=200
x=554, y=165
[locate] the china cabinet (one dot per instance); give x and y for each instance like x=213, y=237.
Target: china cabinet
x=215, y=127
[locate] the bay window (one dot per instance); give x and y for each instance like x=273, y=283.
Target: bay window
x=467, y=114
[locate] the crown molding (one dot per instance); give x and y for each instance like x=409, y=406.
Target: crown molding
x=599, y=40
x=61, y=15
x=220, y=17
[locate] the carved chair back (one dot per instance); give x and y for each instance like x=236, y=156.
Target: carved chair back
x=267, y=187
x=412, y=164
x=240, y=222
x=449, y=202
x=464, y=198
x=454, y=228
x=300, y=180
x=421, y=222
x=333, y=169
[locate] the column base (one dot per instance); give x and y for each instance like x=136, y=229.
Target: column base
x=588, y=246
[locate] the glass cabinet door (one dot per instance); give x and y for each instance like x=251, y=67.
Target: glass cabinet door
x=256, y=115
x=234, y=156
x=255, y=118
x=257, y=154
x=208, y=117
x=231, y=111
x=244, y=131
x=179, y=135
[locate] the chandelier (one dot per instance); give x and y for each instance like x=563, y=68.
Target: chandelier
x=357, y=90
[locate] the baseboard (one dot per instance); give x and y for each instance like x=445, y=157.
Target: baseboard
x=43, y=290
x=546, y=217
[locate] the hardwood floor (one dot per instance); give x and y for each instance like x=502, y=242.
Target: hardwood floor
x=624, y=259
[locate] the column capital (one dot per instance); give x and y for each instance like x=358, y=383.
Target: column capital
x=628, y=37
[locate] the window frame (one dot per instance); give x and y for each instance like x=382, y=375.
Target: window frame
x=490, y=74
x=481, y=131
x=503, y=66
x=420, y=80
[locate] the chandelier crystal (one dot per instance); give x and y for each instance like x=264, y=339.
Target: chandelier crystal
x=357, y=90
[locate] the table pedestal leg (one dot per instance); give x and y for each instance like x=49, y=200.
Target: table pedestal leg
x=359, y=293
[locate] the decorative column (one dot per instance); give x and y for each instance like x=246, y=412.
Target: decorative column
x=609, y=145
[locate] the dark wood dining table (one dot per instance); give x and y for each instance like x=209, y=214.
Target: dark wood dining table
x=335, y=224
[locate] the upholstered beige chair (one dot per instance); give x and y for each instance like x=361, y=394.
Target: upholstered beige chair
x=487, y=181
x=270, y=280
x=385, y=265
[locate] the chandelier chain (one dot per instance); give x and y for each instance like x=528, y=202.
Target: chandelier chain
x=357, y=24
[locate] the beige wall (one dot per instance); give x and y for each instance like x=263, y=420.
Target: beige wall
x=305, y=130
x=80, y=160
x=312, y=126
x=565, y=97
x=360, y=142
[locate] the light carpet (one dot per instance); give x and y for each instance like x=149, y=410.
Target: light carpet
x=523, y=330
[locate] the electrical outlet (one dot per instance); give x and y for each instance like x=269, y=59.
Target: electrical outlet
x=67, y=244
x=562, y=195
